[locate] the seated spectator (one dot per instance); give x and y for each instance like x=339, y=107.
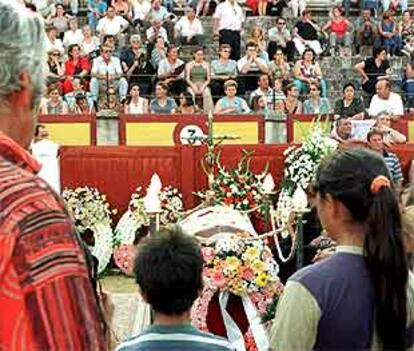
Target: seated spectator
x=385, y=100
x=187, y=105
x=122, y=9
x=350, y=106
x=135, y=65
x=111, y=24
x=408, y=86
x=112, y=42
x=376, y=142
x=280, y=38
x=160, y=13
x=52, y=42
x=231, y=103
x=408, y=48
x=371, y=5
x=78, y=89
x=171, y=72
x=372, y=69
x=53, y=104
x=278, y=90
x=388, y=32
x=292, y=105
x=110, y=101
x=73, y=35
x=162, y=103
x=198, y=75
x=135, y=104
x=60, y=21
x=171, y=261
x=406, y=26
x=316, y=104
x=75, y=65
x=159, y=53
x=306, y=71
x=90, y=43
x=257, y=36
x=274, y=8
x=56, y=70
x=279, y=68
x=389, y=135
x=156, y=31
x=342, y=130
x=107, y=71
x=188, y=29
x=259, y=104
x=366, y=32
x=392, y=5
x=340, y=32
x=305, y=33
x=96, y=11
x=250, y=66
x=81, y=106
x=44, y=7
x=140, y=11
x=222, y=70
x=264, y=90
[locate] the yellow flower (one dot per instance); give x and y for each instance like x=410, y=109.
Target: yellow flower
x=258, y=266
x=261, y=280
x=232, y=263
x=252, y=253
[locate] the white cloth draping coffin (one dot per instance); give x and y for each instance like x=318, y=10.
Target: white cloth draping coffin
x=47, y=153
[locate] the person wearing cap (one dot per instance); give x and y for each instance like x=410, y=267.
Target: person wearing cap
x=231, y=103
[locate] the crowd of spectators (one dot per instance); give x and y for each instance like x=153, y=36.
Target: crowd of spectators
x=128, y=58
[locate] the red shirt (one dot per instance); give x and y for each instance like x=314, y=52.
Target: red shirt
x=71, y=68
x=46, y=298
x=339, y=28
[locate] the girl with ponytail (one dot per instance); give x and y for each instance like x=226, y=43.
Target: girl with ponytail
x=362, y=297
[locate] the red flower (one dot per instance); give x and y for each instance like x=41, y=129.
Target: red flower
x=228, y=200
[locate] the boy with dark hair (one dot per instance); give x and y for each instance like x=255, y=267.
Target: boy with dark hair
x=168, y=271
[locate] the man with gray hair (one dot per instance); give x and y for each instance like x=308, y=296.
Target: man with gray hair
x=46, y=297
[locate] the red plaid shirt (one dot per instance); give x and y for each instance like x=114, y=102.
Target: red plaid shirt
x=46, y=298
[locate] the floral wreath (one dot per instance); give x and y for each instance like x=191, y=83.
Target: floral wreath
x=301, y=163
x=90, y=211
x=242, y=265
x=136, y=218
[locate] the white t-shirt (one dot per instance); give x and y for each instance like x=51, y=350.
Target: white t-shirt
x=253, y=66
x=99, y=66
x=393, y=105
x=57, y=45
x=141, y=10
x=113, y=26
x=186, y=28
x=72, y=37
x=230, y=16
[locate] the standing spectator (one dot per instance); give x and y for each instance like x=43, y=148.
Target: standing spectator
x=76, y=65
x=280, y=37
x=107, y=71
x=389, y=135
x=73, y=35
x=279, y=68
x=297, y=7
x=366, y=28
x=198, y=76
x=60, y=21
x=171, y=261
x=159, y=53
x=292, y=105
x=250, y=66
x=340, y=32
x=162, y=103
x=350, y=106
x=111, y=24
x=264, y=90
x=375, y=140
x=171, y=72
x=89, y=43
x=135, y=65
x=388, y=32
x=54, y=104
x=156, y=31
x=385, y=100
x=188, y=29
x=135, y=104
x=222, y=69
x=52, y=41
x=96, y=11
x=231, y=103
x=372, y=69
x=227, y=24
x=305, y=33
x=306, y=71
x=358, y=208
x=316, y=104
x=45, y=287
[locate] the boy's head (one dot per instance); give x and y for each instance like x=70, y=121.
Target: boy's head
x=168, y=269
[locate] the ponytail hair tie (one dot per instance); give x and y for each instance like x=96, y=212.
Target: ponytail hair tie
x=379, y=182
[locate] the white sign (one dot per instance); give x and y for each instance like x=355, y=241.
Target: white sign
x=189, y=135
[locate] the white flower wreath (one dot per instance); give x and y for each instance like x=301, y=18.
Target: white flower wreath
x=90, y=211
